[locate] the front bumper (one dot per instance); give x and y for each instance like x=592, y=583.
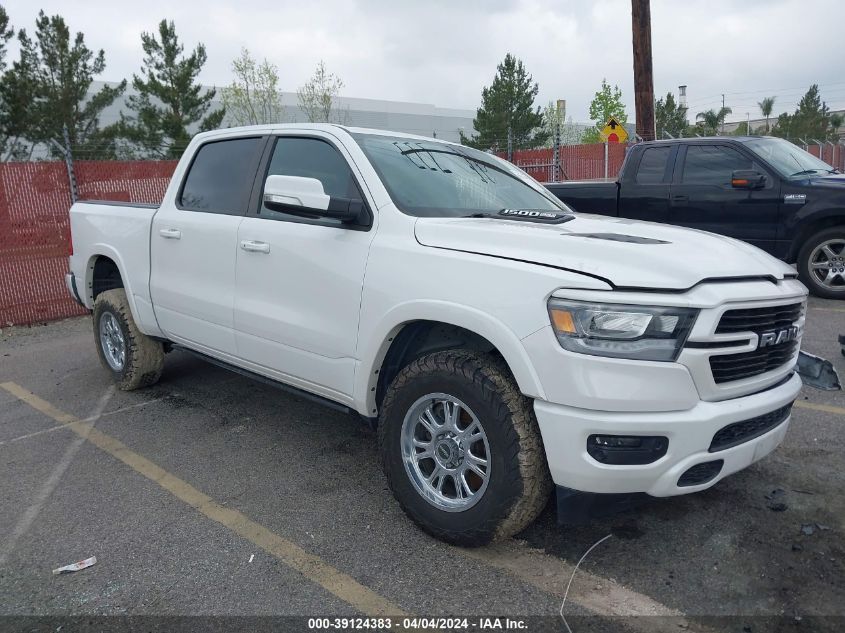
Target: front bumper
x=565, y=431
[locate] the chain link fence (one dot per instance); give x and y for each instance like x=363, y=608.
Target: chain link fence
x=35, y=227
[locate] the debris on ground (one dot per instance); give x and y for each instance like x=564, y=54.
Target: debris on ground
x=810, y=528
x=83, y=564
x=774, y=500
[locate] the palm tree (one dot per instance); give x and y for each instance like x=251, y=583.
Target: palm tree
x=711, y=120
x=766, y=106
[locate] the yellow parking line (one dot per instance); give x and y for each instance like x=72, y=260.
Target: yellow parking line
x=828, y=309
x=309, y=565
x=827, y=408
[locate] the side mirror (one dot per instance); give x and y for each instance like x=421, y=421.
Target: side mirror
x=748, y=179
x=305, y=196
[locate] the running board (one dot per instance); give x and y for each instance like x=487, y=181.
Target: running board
x=296, y=391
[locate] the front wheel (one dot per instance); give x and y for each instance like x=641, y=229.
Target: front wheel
x=821, y=263
x=461, y=448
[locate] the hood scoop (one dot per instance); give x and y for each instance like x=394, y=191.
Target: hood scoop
x=618, y=237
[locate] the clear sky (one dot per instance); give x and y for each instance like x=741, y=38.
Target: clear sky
x=445, y=51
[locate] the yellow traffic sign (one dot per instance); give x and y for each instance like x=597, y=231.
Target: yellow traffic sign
x=614, y=132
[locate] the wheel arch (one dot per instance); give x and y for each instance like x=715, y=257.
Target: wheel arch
x=106, y=270
x=104, y=275
x=404, y=338
x=810, y=227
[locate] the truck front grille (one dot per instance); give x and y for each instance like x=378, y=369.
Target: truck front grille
x=740, y=432
x=759, y=319
x=730, y=367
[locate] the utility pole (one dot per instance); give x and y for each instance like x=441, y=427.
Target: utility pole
x=722, y=111
x=643, y=77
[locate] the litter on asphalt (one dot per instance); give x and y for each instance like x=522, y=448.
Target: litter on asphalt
x=83, y=564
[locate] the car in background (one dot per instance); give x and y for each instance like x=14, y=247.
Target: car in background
x=762, y=190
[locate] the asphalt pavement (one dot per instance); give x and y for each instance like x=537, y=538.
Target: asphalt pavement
x=210, y=495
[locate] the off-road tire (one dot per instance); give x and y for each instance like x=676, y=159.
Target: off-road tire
x=804, y=273
x=144, y=356
x=520, y=482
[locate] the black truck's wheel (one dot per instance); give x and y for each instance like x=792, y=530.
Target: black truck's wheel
x=461, y=448
x=821, y=263
x=133, y=358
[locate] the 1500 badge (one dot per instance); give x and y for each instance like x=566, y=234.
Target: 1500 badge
x=536, y=215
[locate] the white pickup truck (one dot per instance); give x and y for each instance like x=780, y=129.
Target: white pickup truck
x=502, y=344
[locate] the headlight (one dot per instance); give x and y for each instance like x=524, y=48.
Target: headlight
x=621, y=331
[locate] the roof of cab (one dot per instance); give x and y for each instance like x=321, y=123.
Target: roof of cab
x=325, y=127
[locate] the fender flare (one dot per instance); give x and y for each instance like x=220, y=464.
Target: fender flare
x=373, y=346
x=104, y=250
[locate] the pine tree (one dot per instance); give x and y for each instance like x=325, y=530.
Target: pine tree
x=508, y=103
x=47, y=90
x=810, y=121
x=169, y=100
x=8, y=142
x=669, y=117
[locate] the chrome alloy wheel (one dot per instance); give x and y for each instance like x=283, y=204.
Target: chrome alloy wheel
x=827, y=264
x=112, y=342
x=445, y=452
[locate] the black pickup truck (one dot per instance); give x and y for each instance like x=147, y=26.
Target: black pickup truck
x=763, y=190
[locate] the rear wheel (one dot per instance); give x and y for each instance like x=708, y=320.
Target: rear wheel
x=133, y=358
x=821, y=263
x=461, y=448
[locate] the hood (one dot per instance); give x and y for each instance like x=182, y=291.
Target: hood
x=625, y=253
x=834, y=181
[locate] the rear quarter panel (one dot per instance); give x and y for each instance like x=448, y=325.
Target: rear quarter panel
x=121, y=233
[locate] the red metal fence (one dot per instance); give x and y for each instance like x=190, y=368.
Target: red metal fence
x=35, y=198
x=830, y=153
x=577, y=162
x=35, y=227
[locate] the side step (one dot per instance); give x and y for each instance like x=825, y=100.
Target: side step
x=267, y=381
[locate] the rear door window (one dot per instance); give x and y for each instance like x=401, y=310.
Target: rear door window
x=220, y=177
x=653, y=165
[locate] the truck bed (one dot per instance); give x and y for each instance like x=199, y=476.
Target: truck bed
x=589, y=196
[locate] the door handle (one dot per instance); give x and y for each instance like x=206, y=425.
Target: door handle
x=255, y=247
x=679, y=199
x=170, y=234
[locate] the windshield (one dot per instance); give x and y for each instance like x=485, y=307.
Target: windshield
x=786, y=158
x=431, y=179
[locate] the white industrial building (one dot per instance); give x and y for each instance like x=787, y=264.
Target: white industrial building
x=425, y=119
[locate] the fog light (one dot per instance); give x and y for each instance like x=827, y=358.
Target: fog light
x=627, y=449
